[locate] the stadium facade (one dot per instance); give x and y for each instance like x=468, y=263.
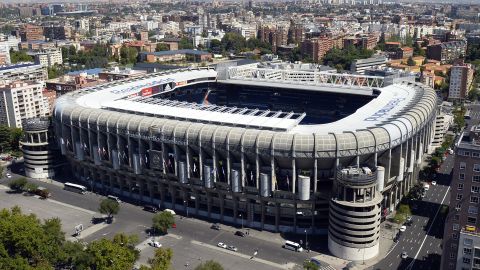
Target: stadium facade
x=273, y=148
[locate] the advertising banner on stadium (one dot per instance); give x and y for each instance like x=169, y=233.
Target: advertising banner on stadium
x=146, y=92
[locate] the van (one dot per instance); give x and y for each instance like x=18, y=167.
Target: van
x=115, y=198
x=170, y=211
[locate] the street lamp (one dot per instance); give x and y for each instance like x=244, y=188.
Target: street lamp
x=306, y=243
x=242, y=219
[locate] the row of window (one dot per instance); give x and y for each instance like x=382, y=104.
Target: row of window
x=473, y=199
x=475, y=178
x=467, y=153
x=476, y=167
x=473, y=189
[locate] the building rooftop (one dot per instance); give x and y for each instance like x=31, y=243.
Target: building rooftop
x=186, y=51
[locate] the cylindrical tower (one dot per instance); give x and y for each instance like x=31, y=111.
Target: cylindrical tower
x=355, y=211
x=38, y=148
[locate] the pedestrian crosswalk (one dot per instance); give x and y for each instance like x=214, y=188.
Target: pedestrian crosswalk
x=328, y=267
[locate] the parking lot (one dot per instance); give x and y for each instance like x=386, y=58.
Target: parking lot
x=44, y=209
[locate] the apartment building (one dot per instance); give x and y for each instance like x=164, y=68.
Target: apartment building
x=21, y=100
x=360, y=65
x=48, y=58
x=461, y=239
x=4, y=54
x=461, y=78
x=28, y=72
x=30, y=32
x=316, y=48
x=447, y=52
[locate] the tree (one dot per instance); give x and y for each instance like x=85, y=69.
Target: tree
x=5, y=144
x=215, y=46
x=209, y=265
x=162, y=221
x=162, y=47
x=233, y=42
x=185, y=43
x=109, y=207
x=410, y=62
x=128, y=55
x=307, y=265
x=18, y=184
x=30, y=187
x=20, y=56
x=162, y=260
x=105, y=254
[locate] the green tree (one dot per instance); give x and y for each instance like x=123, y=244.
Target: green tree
x=105, y=254
x=233, y=42
x=209, y=265
x=162, y=47
x=410, y=62
x=308, y=265
x=5, y=142
x=162, y=221
x=216, y=46
x=20, y=56
x=185, y=43
x=30, y=187
x=15, y=136
x=162, y=260
x=342, y=59
x=128, y=55
x=18, y=184
x=109, y=207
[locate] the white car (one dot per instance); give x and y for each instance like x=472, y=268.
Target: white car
x=222, y=245
x=434, y=183
x=403, y=228
x=404, y=255
x=155, y=244
x=9, y=175
x=232, y=248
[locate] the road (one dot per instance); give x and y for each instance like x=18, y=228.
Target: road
x=422, y=240
x=133, y=220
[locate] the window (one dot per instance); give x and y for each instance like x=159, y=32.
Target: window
x=473, y=210
x=467, y=251
x=463, y=165
x=452, y=255
x=475, y=154
x=455, y=226
x=459, y=197
x=476, y=167
x=466, y=153
x=461, y=176
x=453, y=246
x=472, y=220
x=454, y=236
x=475, y=189
x=466, y=260
x=456, y=217
x=460, y=186
x=476, y=178
x=473, y=199
x=477, y=252
x=467, y=242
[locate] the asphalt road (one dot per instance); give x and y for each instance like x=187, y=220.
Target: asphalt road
x=422, y=240
x=133, y=220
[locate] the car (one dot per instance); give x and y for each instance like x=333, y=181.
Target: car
x=215, y=227
x=170, y=211
x=155, y=244
x=240, y=233
x=403, y=228
x=222, y=245
x=9, y=175
x=150, y=208
x=409, y=220
x=174, y=225
x=232, y=248
x=404, y=255
x=434, y=183
x=114, y=198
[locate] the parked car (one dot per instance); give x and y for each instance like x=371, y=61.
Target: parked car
x=404, y=255
x=150, y=208
x=403, y=228
x=215, y=227
x=232, y=248
x=240, y=233
x=434, y=183
x=222, y=245
x=155, y=244
x=9, y=175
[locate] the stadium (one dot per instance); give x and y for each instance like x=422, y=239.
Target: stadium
x=272, y=147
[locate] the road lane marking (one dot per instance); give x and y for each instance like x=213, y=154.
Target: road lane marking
x=428, y=231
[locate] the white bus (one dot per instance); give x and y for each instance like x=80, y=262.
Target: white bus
x=75, y=188
x=293, y=246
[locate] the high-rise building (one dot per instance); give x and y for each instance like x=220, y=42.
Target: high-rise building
x=461, y=78
x=19, y=101
x=31, y=32
x=461, y=238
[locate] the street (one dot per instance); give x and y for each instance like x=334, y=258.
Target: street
x=189, y=237
x=423, y=239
